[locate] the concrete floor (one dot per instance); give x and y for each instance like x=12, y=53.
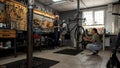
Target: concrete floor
x=82, y=60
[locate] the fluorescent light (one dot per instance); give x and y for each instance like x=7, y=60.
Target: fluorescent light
x=56, y=0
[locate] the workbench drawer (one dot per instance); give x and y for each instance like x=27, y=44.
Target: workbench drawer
x=7, y=31
x=7, y=35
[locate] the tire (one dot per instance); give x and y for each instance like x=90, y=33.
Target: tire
x=81, y=32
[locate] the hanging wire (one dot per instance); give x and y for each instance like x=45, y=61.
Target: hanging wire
x=83, y=3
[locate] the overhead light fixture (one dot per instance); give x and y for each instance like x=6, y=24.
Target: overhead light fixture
x=56, y=0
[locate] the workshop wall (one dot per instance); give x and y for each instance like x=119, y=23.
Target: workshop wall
x=111, y=21
x=116, y=11
x=109, y=18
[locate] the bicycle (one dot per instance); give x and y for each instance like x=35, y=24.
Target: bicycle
x=78, y=33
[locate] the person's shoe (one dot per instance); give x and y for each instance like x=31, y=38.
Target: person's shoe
x=56, y=47
x=95, y=53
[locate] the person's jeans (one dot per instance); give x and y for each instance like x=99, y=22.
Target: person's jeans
x=57, y=36
x=94, y=47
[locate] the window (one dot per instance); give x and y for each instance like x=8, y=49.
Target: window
x=99, y=17
x=94, y=17
x=89, y=17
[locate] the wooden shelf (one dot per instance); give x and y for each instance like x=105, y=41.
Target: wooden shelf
x=6, y=48
x=37, y=11
x=7, y=33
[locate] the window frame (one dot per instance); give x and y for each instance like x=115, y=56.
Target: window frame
x=93, y=15
x=88, y=11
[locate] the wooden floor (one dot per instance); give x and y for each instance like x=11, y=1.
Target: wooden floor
x=82, y=60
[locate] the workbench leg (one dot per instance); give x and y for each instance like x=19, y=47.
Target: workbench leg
x=15, y=53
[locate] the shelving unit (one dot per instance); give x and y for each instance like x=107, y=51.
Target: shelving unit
x=20, y=24
x=8, y=35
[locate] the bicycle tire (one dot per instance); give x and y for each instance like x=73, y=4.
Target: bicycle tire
x=81, y=32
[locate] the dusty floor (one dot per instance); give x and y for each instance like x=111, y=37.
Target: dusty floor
x=82, y=60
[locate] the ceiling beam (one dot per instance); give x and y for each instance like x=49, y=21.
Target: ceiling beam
x=94, y=7
x=86, y=8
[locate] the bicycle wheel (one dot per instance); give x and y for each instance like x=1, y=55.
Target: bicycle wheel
x=80, y=31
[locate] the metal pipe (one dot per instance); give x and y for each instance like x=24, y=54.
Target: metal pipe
x=78, y=6
x=77, y=21
x=29, y=29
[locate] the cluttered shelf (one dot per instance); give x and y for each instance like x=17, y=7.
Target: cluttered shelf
x=16, y=15
x=8, y=39
x=37, y=11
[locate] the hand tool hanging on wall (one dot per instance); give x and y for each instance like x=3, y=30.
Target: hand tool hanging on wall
x=15, y=12
x=16, y=9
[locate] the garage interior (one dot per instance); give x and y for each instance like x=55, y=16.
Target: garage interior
x=52, y=33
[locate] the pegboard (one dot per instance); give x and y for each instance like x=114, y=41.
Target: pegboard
x=2, y=12
x=17, y=12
